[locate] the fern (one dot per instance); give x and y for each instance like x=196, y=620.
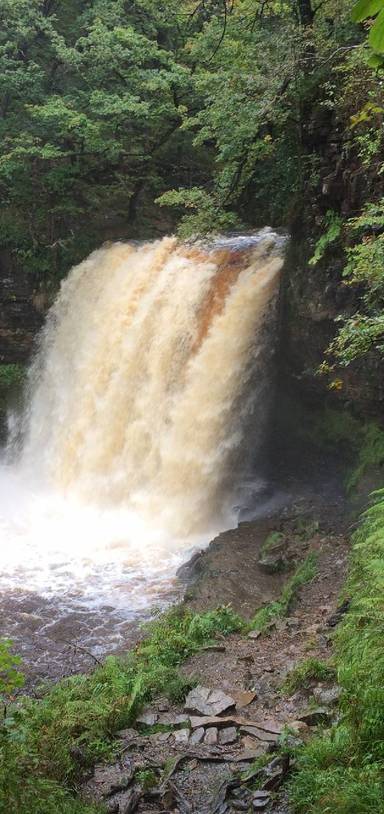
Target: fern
x=333, y=223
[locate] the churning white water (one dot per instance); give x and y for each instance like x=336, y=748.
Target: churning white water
x=151, y=370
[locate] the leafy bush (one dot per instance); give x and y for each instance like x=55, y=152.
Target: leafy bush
x=364, y=331
x=10, y=677
x=204, y=213
x=333, y=223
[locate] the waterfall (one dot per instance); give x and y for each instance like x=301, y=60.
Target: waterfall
x=151, y=371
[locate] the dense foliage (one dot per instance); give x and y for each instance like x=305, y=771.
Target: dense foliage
x=122, y=118
x=343, y=771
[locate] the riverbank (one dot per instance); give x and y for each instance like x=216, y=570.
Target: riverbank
x=94, y=720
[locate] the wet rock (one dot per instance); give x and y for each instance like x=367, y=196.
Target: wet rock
x=147, y=718
x=228, y=735
x=254, y=634
x=326, y=696
x=274, y=780
x=260, y=734
x=207, y=701
x=261, y=798
x=109, y=780
x=211, y=736
x=197, y=736
x=181, y=736
x=244, y=698
x=169, y=719
x=339, y=613
x=314, y=717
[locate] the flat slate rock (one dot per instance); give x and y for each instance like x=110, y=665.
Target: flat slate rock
x=207, y=701
x=169, y=719
x=197, y=736
x=244, y=697
x=147, y=718
x=260, y=734
x=109, y=780
x=211, y=736
x=228, y=735
x=271, y=727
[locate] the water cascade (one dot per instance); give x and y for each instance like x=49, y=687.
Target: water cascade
x=152, y=371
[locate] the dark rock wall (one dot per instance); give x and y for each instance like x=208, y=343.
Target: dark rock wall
x=313, y=297
x=21, y=312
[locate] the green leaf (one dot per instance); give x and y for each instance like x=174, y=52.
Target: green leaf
x=366, y=8
x=375, y=61
x=376, y=34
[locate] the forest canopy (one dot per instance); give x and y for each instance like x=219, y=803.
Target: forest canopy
x=123, y=118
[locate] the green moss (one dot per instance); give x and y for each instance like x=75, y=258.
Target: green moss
x=370, y=453
x=11, y=378
x=280, y=608
x=362, y=442
x=273, y=539
x=147, y=778
x=11, y=375
x=305, y=673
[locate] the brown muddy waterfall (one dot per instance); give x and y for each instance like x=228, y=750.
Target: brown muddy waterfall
x=151, y=373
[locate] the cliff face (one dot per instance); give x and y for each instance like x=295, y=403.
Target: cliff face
x=313, y=297
x=21, y=312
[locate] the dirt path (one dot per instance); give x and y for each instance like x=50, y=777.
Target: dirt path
x=197, y=767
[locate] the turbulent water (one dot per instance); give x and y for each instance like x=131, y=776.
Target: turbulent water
x=148, y=389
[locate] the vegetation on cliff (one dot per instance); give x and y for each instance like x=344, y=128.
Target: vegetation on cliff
x=343, y=770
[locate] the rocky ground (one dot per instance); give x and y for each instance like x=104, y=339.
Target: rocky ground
x=220, y=753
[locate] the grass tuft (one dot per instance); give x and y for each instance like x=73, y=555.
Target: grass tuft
x=309, y=670
x=281, y=607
